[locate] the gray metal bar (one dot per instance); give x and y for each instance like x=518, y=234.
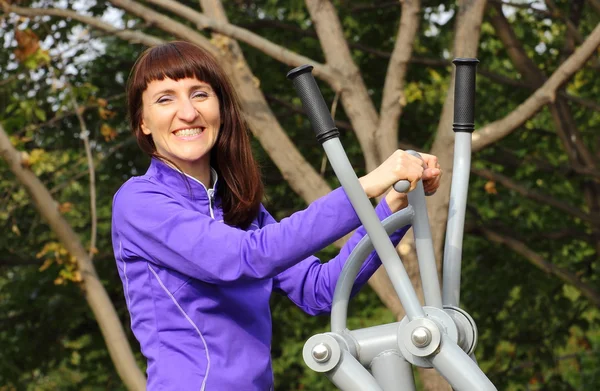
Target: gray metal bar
x=424, y=247
x=456, y=219
x=459, y=369
x=349, y=375
x=385, y=249
x=393, y=372
x=371, y=341
x=345, y=282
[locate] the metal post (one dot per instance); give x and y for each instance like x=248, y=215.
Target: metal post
x=463, y=126
x=349, y=375
x=393, y=372
x=459, y=369
x=328, y=135
x=385, y=249
x=345, y=282
x=424, y=246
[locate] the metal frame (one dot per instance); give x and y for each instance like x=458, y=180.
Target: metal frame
x=440, y=334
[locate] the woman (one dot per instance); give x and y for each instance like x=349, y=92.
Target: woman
x=197, y=252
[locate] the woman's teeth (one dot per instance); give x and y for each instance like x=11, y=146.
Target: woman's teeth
x=188, y=132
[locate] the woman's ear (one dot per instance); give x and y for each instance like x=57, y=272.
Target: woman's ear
x=145, y=129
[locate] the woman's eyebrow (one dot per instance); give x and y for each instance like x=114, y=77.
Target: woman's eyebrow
x=192, y=88
x=200, y=85
x=161, y=92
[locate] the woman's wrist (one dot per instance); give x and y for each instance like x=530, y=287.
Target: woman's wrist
x=396, y=201
x=366, y=185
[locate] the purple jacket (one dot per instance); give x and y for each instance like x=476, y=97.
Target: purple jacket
x=198, y=290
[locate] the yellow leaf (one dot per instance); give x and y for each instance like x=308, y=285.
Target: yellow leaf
x=105, y=113
x=59, y=281
x=101, y=102
x=16, y=230
x=435, y=75
x=50, y=246
x=490, y=187
x=45, y=265
x=35, y=156
x=412, y=92
x=65, y=207
x=27, y=44
x=108, y=132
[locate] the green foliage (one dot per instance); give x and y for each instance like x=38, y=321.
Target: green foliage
x=536, y=332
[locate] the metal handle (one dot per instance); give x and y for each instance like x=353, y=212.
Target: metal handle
x=403, y=186
x=464, y=94
x=313, y=103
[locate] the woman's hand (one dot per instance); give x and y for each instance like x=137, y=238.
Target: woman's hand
x=402, y=165
x=431, y=181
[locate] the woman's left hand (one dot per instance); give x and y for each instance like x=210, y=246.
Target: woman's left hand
x=431, y=181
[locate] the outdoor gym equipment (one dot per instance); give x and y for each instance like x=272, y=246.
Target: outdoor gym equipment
x=439, y=334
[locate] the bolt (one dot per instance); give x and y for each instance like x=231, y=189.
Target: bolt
x=421, y=337
x=321, y=352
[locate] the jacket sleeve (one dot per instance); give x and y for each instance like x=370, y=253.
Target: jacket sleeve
x=151, y=223
x=310, y=284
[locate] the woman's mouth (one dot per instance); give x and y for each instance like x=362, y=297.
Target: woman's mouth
x=190, y=132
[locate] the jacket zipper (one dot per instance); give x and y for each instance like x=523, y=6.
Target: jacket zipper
x=211, y=200
x=211, y=195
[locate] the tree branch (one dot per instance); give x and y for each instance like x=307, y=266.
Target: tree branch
x=91, y=172
x=571, y=29
x=103, y=309
x=165, y=23
x=595, y=5
x=545, y=94
x=127, y=35
x=376, y=6
x=271, y=49
x=527, y=6
x=356, y=101
x=56, y=118
x=548, y=267
x=565, y=126
x=434, y=62
x=393, y=100
x=508, y=157
x=99, y=160
x=535, y=195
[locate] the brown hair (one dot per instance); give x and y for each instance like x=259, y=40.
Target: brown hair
x=240, y=186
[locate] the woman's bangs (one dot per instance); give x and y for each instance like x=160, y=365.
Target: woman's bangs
x=169, y=62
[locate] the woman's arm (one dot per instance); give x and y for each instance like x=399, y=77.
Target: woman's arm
x=311, y=284
x=149, y=222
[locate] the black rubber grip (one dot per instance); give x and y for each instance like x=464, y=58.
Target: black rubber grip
x=464, y=94
x=313, y=103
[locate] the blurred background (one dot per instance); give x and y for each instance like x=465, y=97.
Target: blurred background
x=531, y=269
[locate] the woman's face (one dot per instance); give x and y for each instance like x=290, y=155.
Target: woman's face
x=183, y=118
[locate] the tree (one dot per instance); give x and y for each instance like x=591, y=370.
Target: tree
x=342, y=63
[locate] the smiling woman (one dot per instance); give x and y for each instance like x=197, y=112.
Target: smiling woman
x=180, y=86
x=197, y=253
x=183, y=119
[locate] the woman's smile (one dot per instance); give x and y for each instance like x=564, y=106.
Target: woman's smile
x=183, y=116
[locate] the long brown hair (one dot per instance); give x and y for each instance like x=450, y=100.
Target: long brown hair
x=240, y=186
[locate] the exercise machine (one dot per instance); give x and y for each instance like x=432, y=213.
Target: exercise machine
x=439, y=334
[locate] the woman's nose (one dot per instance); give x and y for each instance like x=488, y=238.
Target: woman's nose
x=187, y=112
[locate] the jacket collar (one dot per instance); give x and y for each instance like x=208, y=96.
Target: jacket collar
x=181, y=182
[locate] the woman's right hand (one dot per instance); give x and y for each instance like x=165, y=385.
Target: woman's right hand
x=400, y=165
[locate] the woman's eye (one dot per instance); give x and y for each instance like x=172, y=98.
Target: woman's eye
x=163, y=99
x=200, y=94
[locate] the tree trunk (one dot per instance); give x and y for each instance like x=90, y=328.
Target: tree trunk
x=95, y=294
